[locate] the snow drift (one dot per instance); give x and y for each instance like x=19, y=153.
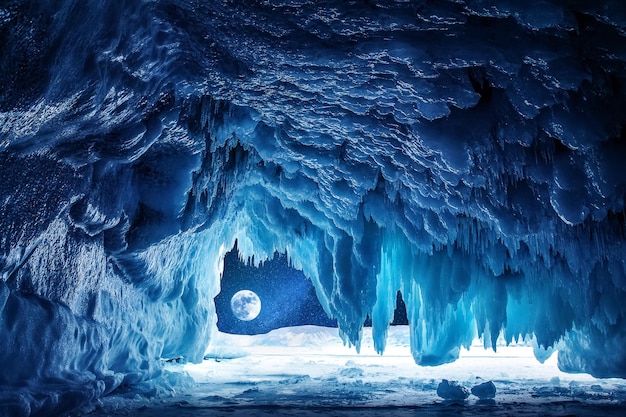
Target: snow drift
x=467, y=153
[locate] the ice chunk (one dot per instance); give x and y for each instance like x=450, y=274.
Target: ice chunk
x=451, y=390
x=484, y=391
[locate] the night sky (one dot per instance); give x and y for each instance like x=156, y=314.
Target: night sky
x=287, y=296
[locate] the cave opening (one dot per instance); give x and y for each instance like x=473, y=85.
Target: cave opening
x=300, y=363
x=295, y=359
x=288, y=297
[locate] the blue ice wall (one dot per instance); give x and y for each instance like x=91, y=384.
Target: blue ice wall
x=467, y=153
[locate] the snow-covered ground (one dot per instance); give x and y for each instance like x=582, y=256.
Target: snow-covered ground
x=307, y=371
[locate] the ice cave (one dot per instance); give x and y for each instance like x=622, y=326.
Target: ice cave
x=466, y=155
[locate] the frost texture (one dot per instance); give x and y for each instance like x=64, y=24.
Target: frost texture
x=467, y=153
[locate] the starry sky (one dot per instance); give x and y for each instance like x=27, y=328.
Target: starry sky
x=287, y=296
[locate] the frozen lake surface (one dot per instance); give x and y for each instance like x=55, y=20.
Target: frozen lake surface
x=308, y=371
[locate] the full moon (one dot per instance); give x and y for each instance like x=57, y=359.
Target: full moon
x=245, y=305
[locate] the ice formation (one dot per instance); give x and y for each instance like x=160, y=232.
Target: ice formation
x=451, y=390
x=466, y=152
x=485, y=391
